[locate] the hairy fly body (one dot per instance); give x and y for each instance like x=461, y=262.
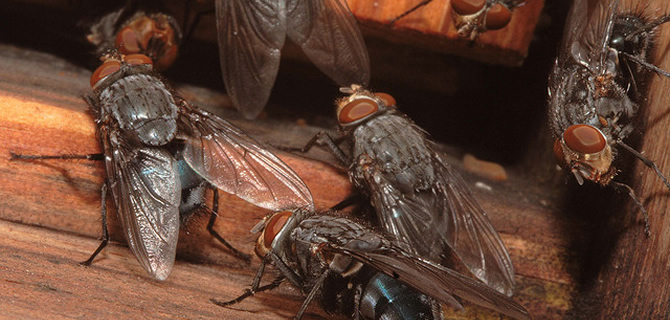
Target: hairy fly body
x=595, y=89
x=360, y=273
x=418, y=198
x=161, y=154
x=252, y=33
x=132, y=29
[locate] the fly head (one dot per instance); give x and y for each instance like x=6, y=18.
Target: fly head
x=361, y=105
x=475, y=17
x=584, y=151
x=156, y=35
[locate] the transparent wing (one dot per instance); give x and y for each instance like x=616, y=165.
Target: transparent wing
x=251, y=34
x=472, y=236
x=328, y=33
x=588, y=28
x=233, y=162
x=444, y=214
x=147, y=193
x=435, y=280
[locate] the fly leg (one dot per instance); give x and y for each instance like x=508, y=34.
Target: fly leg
x=647, y=29
x=255, y=286
x=358, y=294
x=105, y=234
x=93, y=156
x=350, y=200
x=312, y=293
x=210, y=228
x=323, y=139
x=646, y=64
x=404, y=14
x=628, y=190
x=103, y=191
x=646, y=161
x=189, y=26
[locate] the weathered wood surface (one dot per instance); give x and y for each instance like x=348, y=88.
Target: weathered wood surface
x=432, y=26
x=50, y=211
x=634, y=278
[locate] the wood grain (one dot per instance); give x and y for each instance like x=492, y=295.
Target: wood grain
x=50, y=218
x=634, y=281
x=432, y=26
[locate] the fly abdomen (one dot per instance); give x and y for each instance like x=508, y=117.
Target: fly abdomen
x=143, y=106
x=386, y=298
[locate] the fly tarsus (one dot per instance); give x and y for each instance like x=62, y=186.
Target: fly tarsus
x=103, y=219
x=93, y=156
x=216, y=235
x=404, y=14
x=248, y=293
x=628, y=190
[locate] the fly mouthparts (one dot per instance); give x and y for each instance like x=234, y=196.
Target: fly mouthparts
x=578, y=176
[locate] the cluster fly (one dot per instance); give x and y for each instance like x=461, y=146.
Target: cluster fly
x=473, y=18
x=595, y=90
x=355, y=271
x=161, y=154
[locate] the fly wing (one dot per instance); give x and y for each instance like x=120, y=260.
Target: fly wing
x=443, y=214
x=599, y=31
x=587, y=33
x=251, y=34
x=328, y=33
x=147, y=192
x=434, y=280
x=472, y=236
x=233, y=162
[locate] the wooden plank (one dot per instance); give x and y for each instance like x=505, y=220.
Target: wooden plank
x=42, y=280
x=633, y=278
x=432, y=27
x=53, y=208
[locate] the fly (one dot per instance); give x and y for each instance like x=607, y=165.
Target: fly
x=161, y=154
x=133, y=30
x=472, y=18
x=360, y=273
x=252, y=33
x=594, y=90
x=419, y=199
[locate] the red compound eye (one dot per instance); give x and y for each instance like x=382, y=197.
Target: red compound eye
x=356, y=110
x=137, y=59
x=135, y=37
x=498, y=17
x=559, y=155
x=467, y=7
x=584, y=139
x=274, y=226
x=104, y=70
x=127, y=42
x=388, y=99
x=168, y=58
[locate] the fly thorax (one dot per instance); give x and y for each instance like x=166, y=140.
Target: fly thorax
x=143, y=107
